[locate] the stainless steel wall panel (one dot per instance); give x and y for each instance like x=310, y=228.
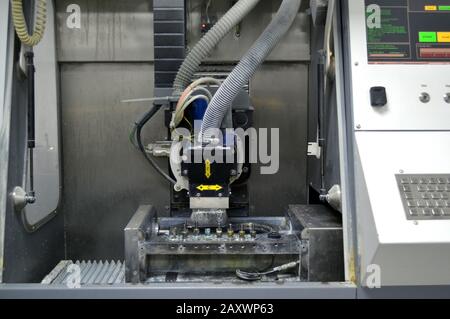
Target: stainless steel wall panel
x=110, y=31
x=123, y=31
x=105, y=177
x=279, y=93
x=293, y=47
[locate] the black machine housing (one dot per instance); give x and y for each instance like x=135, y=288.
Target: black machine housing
x=241, y=117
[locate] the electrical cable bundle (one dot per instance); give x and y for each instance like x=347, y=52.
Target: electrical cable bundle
x=20, y=23
x=184, y=102
x=255, y=276
x=187, y=98
x=136, y=135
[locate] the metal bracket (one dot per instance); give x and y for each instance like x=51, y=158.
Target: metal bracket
x=314, y=149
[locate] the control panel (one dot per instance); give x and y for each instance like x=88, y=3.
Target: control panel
x=408, y=31
x=400, y=58
x=425, y=197
x=399, y=61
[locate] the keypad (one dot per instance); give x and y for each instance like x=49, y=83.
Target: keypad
x=425, y=197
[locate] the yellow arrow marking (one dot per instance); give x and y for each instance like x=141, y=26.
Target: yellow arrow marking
x=209, y=188
x=208, y=169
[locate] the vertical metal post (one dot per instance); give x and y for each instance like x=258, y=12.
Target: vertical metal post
x=29, y=57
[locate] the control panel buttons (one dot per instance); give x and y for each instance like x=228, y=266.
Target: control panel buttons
x=406, y=188
x=441, y=203
x=405, y=181
x=412, y=203
x=420, y=203
x=424, y=97
x=414, y=212
x=409, y=196
x=437, y=212
x=422, y=188
x=425, y=197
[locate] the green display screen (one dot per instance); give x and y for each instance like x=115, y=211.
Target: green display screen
x=408, y=31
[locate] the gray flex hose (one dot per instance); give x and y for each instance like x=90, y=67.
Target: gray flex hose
x=242, y=73
x=205, y=46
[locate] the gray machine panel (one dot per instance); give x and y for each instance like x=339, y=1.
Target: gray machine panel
x=408, y=136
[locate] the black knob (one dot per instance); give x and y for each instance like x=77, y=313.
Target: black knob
x=378, y=97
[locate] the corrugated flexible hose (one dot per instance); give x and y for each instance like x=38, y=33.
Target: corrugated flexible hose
x=20, y=23
x=248, y=65
x=205, y=46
